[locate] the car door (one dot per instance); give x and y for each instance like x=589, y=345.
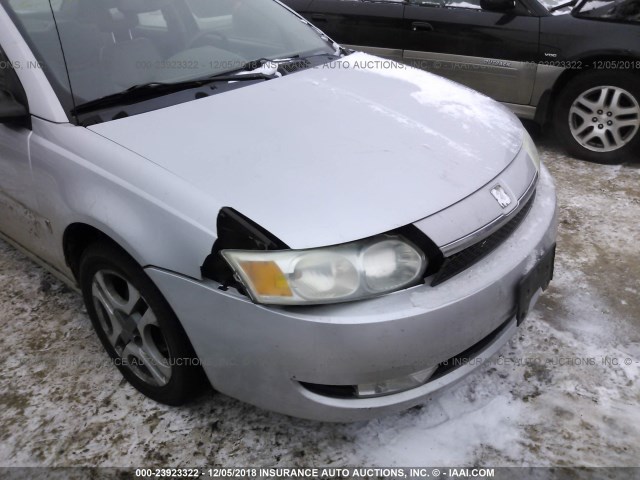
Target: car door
x=17, y=201
x=493, y=52
x=374, y=27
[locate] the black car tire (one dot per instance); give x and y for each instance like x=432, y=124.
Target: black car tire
x=565, y=120
x=151, y=331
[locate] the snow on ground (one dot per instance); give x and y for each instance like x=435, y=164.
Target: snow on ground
x=547, y=399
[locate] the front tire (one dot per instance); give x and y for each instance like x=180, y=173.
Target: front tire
x=597, y=117
x=137, y=327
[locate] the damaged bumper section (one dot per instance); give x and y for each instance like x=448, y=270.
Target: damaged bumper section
x=354, y=361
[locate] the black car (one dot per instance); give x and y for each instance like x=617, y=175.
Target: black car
x=575, y=66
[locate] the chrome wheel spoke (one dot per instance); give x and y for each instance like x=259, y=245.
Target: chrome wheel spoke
x=615, y=99
x=134, y=361
x=116, y=332
x=140, y=363
x=582, y=128
x=146, y=320
x=161, y=371
x=124, y=301
x=608, y=144
x=147, y=325
x=628, y=123
x=615, y=132
x=584, y=116
x=625, y=111
x=101, y=292
x=586, y=104
x=591, y=136
x=112, y=325
x=602, y=99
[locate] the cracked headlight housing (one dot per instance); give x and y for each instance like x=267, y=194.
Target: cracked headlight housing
x=353, y=271
x=529, y=146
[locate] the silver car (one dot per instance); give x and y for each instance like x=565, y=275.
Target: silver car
x=244, y=203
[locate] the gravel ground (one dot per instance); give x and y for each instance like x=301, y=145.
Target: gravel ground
x=563, y=392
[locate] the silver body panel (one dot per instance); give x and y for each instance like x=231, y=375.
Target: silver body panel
x=479, y=215
x=430, y=129
x=81, y=177
x=17, y=200
x=260, y=354
x=324, y=156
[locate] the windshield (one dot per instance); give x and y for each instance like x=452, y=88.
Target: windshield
x=627, y=10
x=90, y=49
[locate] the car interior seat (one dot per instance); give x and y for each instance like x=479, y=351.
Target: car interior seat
x=129, y=60
x=82, y=50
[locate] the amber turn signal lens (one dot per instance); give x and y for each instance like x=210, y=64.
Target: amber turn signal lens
x=267, y=278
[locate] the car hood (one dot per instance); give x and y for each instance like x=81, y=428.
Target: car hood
x=332, y=154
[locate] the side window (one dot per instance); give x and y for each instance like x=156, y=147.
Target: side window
x=473, y=4
x=430, y=3
x=9, y=82
x=470, y=4
x=521, y=8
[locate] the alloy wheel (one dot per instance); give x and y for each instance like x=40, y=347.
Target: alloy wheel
x=131, y=327
x=605, y=118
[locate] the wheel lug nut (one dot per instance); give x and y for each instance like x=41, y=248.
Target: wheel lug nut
x=609, y=114
x=609, y=123
x=600, y=112
x=595, y=119
x=600, y=126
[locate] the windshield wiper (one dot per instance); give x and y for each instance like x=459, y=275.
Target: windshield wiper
x=326, y=54
x=146, y=91
x=289, y=59
x=261, y=62
x=563, y=5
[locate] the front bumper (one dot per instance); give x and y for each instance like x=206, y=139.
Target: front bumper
x=261, y=354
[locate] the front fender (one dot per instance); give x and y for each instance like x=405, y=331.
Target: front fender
x=81, y=177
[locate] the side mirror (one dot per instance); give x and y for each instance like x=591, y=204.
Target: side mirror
x=498, y=5
x=11, y=111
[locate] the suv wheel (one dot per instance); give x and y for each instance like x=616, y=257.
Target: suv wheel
x=597, y=116
x=137, y=327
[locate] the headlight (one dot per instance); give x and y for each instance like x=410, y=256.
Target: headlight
x=352, y=271
x=530, y=147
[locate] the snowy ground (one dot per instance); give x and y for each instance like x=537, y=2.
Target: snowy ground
x=548, y=399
